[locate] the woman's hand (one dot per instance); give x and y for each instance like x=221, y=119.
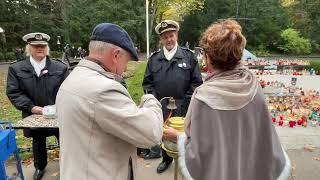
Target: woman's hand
x=170, y=133
x=36, y=110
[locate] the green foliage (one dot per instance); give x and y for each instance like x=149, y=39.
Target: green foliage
x=265, y=20
x=269, y=19
x=10, y=56
x=19, y=17
x=304, y=17
x=293, y=43
x=315, y=65
x=1, y=57
x=261, y=51
x=315, y=47
x=198, y=20
x=56, y=54
x=74, y=20
x=135, y=83
x=81, y=16
x=174, y=9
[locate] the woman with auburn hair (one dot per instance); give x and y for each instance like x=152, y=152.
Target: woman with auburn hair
x=228, y=130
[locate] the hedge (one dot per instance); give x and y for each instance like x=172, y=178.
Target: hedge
x=315, y=65
x=9, y=56
x=56, y=54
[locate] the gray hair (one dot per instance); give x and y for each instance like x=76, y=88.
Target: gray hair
x=101, y=47
x=28, y=51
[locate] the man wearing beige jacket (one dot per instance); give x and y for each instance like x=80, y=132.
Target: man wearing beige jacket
x=100, y=125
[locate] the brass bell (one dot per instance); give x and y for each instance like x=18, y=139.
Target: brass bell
x=172, y=104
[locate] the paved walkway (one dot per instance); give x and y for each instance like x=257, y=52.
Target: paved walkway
x=302, y=145
x=4, y=67
x=305, y=167
x=298, y=137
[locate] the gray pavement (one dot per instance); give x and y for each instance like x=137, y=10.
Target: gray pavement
x=305, y=167
x=302, y=145
x=146, y=170
x=299, y=136
x=4, y=67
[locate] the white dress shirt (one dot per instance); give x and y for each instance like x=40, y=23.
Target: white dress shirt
x=169, y=54
x=38, y=65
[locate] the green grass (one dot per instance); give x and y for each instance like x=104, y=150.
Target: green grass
x=8, y=112
x=134, y=83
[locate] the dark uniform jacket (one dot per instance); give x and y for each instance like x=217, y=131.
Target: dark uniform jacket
x=26, y=90
x=176, y=78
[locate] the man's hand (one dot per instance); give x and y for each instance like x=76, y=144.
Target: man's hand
x=36, y=110
x=170, y=133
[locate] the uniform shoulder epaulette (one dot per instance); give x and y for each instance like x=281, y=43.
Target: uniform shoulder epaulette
x=12, y=62
x=59, y=60
x=184, y=48
x=154, y=53
x=18, y=60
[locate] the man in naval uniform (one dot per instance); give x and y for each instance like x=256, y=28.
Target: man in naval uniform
x=173, y=71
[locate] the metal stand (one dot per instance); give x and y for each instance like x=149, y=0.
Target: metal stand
x=176, y=168
x=174, y=155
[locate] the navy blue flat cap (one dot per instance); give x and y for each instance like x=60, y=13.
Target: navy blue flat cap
x=114, y=34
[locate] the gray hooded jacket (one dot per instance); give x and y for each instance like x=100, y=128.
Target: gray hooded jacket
x=229, y=135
